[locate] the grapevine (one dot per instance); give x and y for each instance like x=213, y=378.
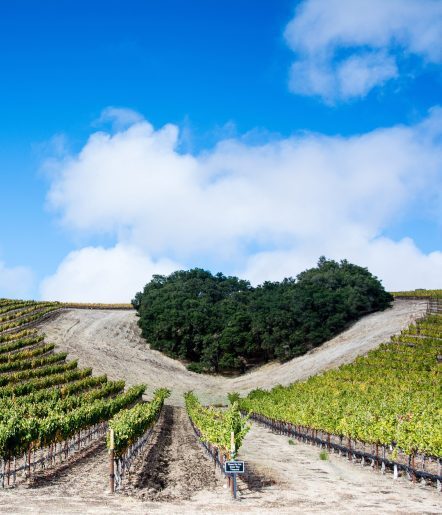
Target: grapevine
x=215, y=425
x=130, y=424
x=391, y=396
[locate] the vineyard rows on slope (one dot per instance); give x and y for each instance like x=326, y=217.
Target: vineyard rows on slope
x=389, y=398
x=46, y=402
x=426, y=294
x=171, y=470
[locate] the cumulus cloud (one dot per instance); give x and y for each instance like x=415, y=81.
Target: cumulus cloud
x=400, y=265
x=96, y=274
x=15, y=282
x=345, y=48
x=265, y=211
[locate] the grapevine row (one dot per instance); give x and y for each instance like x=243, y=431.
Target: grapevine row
x=41, y=383
x=27, y=319
x=27, y=352
x=46, y=406
x=434, y=294
x=130, y=424
x=216, y=426
x=391, y=397
x=32, y=363
x=20, y=434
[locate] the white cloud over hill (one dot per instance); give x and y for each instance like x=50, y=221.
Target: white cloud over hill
x=345, y=48
x=263, y=211
x=104, y=275
x=15, y=282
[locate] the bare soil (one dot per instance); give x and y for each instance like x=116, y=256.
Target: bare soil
x=110, y=342
x=173, y=466
x=173, y=475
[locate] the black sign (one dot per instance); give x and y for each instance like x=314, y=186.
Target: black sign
x=234, y=467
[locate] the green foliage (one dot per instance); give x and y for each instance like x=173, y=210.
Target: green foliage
x=28, y=406
x=216, y=425
x=427, y=294
x=26, y=353
x=41, y=383
x=18, y=434
x=26, y=319
x=9, y=337
x=233, y=397
x=23, y=310
x=131, y=424
x=198, y=368
x=27, y=363
x=19, y=343
x=221, y=323
x=72, y=387
x=323, y=455
x=391, y=396
x=45, y=372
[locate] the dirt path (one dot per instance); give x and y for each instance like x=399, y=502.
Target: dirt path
x=173, y=467
x=303, y=483
x=110, y=342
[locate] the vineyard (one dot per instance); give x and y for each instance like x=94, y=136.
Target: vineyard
x=426, y=294
x=48, y=406
x=387, y=402
x=63, y=429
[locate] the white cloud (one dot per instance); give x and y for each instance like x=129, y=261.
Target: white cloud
x=96, y=274
x=119, y=117
x=15, y=282
x=400, y=265
x=266, y=210
x=345, y=48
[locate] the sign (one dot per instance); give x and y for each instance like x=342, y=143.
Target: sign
x=234, y=467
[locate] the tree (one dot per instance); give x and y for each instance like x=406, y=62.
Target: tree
x=221, y=323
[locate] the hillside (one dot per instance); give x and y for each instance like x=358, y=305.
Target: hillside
x=173, y=474
x=110, y=342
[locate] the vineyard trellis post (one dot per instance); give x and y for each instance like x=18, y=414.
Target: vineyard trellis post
x=112, y=461
x=434, y=306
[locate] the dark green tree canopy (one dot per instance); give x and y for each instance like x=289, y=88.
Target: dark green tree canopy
x=220, y=323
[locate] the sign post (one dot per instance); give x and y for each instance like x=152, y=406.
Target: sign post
x=233, y=467
x=232, y=456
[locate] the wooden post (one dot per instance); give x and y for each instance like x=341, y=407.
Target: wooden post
x=232, y=456
x=112, y=462
x=439, y=472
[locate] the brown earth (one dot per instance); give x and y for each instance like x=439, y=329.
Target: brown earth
x=173, y=474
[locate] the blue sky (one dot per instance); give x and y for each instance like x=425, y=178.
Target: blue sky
x=267, y=106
